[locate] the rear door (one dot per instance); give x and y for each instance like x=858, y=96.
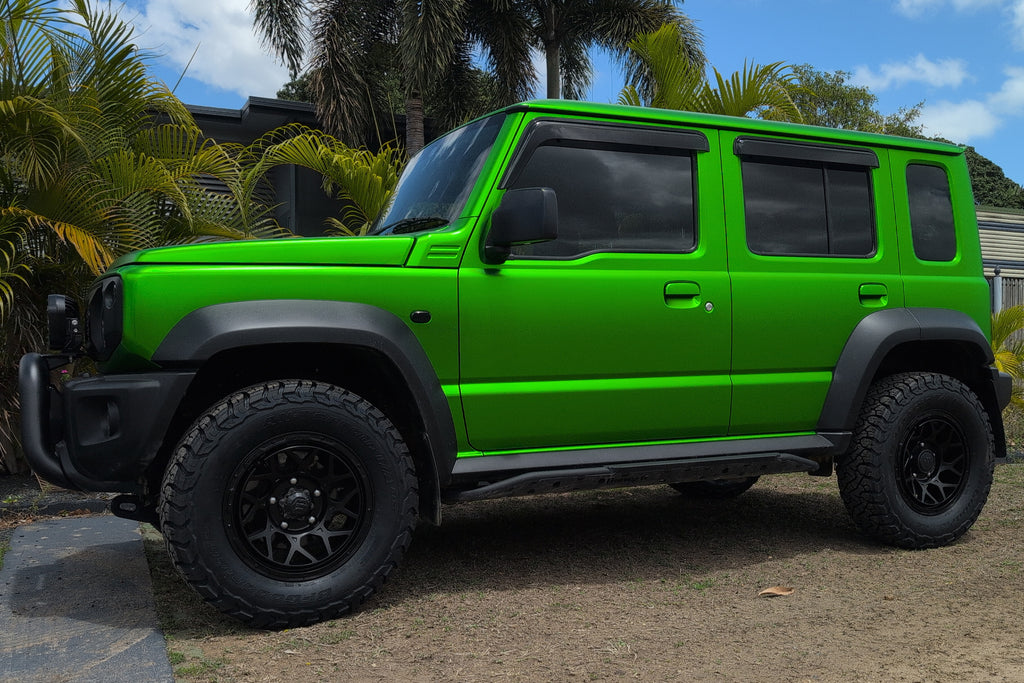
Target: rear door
x=812, y=251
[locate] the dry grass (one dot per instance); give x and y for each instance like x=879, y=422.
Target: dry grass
x=643, y=584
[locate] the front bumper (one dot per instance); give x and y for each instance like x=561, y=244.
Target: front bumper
x=95, y=433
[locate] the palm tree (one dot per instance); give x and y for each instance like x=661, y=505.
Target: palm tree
x=359, y=52
x=86, y=174
x=565, y=30
x=1008, y=348
x=364, y=180
x=667, y=78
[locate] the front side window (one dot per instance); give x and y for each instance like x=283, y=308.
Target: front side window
x=931, y=213
x=800, y=207
x=436, y=183
x=613, y=198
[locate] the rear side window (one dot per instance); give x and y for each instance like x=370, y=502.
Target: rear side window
x=931, y=213
x=798, y=207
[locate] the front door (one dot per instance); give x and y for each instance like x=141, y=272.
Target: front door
x=619, y=330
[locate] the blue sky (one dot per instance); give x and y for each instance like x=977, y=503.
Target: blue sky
x=963, y=58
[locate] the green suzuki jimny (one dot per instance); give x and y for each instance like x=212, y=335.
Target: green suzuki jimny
x=560, y=296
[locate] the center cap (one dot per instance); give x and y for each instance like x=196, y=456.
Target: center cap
x=296, y=504
x=926, y=461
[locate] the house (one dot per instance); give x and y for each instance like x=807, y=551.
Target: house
x=1002, y=252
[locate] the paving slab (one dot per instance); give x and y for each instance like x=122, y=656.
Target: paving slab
x=76, y=605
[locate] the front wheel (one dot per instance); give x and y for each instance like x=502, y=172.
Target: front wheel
x=920, y=466
x=288, y=503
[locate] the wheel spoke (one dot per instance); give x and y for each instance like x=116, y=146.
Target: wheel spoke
x=934, y=461
x=298, y=509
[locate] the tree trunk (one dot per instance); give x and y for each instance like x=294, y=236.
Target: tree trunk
x=413, y=124
x=554, y=72
x=551, y=44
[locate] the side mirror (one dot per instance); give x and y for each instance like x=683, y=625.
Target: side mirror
x=524, y=216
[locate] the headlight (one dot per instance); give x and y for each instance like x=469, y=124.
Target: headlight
x=103, y=317
x=64, y=327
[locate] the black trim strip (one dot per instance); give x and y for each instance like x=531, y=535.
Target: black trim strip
x=479, y=467
x=596, y=134
x=805, y=151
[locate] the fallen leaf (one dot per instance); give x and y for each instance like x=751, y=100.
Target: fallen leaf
x=776, y=591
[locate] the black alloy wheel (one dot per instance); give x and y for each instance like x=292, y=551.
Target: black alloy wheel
x=297, y=507
x=933, y=464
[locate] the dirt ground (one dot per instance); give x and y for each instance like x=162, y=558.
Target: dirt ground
x=642, y=584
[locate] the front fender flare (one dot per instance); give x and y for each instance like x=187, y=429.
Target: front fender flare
x=210, y=330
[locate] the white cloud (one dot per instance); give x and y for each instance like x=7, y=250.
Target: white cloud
x=229, y=54
x=976, y=118
x=915, y=8
x=943, y=73
x=959, y=121
x=1015, y=9
x=1010, y=98
x=1017, y=13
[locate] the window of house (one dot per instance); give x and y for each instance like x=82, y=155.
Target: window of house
x=613, y=197
x=931, y=213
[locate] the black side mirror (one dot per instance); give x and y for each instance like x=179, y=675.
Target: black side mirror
x=524, y=216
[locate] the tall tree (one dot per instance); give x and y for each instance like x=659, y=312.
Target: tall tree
x=991, y=186
x=565, y=30
x=85, y=173
x=829, y=99
x=672, y=81
x=356, y=51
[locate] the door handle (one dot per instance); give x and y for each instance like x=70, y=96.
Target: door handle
x=682, y=294
x=874, y=295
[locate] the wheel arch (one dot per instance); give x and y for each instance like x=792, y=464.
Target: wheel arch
x=359, y=347
x=911, y=339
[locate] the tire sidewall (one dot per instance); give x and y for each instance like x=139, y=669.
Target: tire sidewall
x=386, y=519
x=961, y=513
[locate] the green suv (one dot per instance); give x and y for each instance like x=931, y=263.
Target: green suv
x=560, y=296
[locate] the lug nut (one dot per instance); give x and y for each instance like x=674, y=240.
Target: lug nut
x=293, y=481
x=284, y=525
x=312, y=520
x=316, y=493
x=273, y=501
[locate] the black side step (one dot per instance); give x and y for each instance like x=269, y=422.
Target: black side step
x=635, y=474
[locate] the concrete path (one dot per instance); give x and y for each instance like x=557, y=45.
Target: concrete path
x=76, y=604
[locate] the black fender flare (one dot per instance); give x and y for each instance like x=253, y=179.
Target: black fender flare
x=875, y=337
x=220, y=327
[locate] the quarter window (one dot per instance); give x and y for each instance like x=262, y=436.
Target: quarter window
x=613, y=198
x=807, y=208
x=931, y=213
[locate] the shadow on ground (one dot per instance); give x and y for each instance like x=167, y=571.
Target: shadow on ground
x=588, y=538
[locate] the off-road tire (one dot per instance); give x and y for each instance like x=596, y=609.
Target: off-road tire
x=288, y=503
x=717, y=489
x=920, y=466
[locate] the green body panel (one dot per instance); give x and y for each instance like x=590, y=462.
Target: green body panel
x=351, y=251
x=958, y=284
x=793, y=314
x=608, y=348
x=603, y=348
x=159, y=296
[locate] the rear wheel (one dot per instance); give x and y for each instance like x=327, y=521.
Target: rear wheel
x=716, y=489
x=289, y=502
x=920, y=467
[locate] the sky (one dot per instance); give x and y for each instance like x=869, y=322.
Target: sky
x=963, y=58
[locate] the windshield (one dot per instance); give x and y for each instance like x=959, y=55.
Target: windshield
x=438, y=180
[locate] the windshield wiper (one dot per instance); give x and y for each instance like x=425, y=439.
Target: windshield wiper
x=413, y=224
